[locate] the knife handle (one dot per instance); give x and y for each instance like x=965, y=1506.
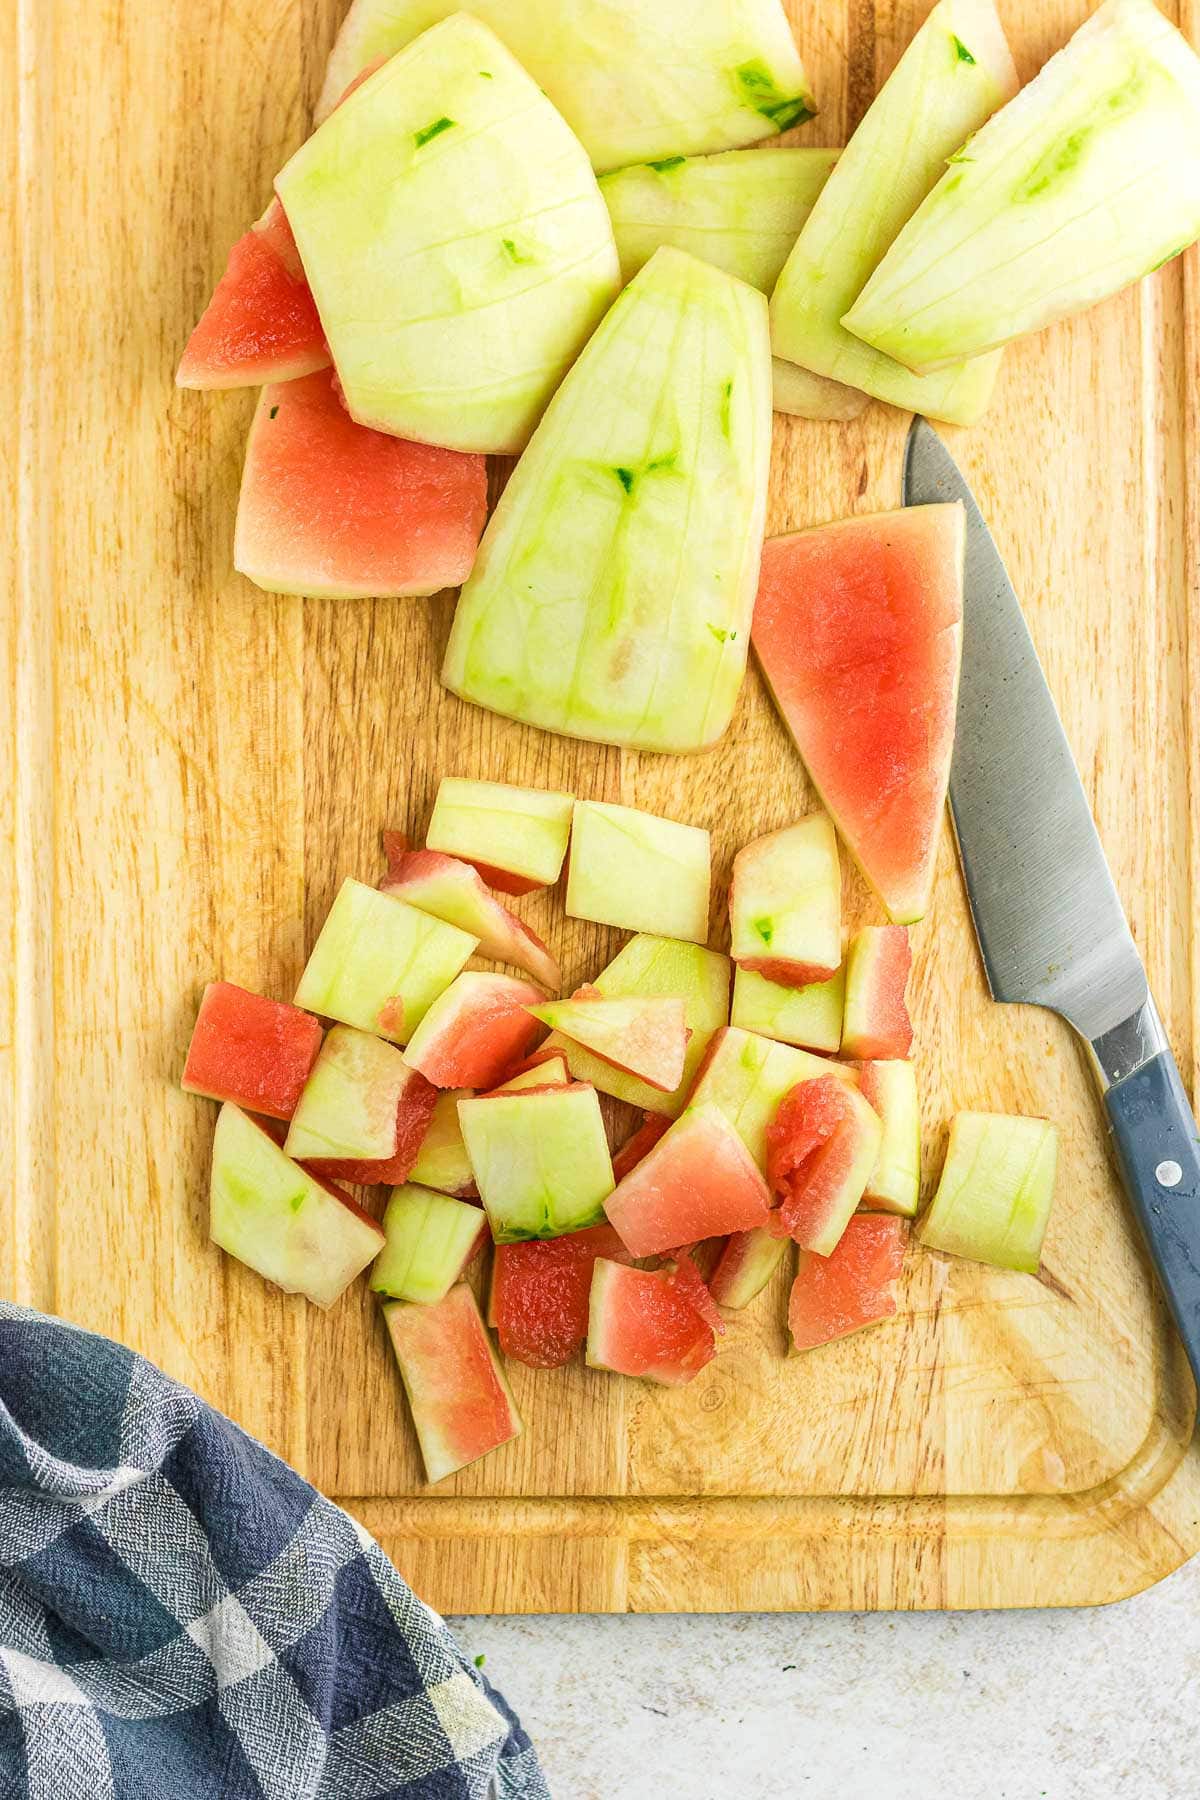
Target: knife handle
x=1158, y=1148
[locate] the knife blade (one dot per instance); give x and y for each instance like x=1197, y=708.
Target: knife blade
x=1050, y=925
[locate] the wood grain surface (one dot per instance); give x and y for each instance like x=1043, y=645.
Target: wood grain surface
x=191, y=767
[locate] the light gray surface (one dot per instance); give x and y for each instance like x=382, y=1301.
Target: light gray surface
x=968, y=1706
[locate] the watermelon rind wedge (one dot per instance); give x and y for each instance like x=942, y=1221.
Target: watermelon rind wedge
x=803, y=395
x=347, y=1111
x=954, y=74
x=890, y=1089
x=540, y=1159
x=996, y=1190
x=442, y=1160
x=1085, y=182
x=639, y=871
x=634, y=81
x=809, y=1017
x=516, y=837
x=431, y=1239
x=612, y=594
x=461, y=1403
x=455, y=242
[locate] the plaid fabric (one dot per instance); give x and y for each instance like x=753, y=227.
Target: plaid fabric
x=182, y=1617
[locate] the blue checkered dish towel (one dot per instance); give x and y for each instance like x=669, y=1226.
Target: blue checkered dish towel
x=183, y=1618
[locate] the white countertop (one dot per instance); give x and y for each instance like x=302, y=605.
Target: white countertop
x=803, y=1706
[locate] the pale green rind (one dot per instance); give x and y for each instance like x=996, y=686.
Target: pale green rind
x=551, y=1073
x=274, y=1217
x=803, y=395
x=374, y=951
x=761, y=1254
x=931, y=103
x=809, y=1017
x=895, y=1184
x=635, y=81
x=455, y=241
x=638, y=871
x=443, y=1162
x=997, y=1187
x=747, y=1076
x=614, y=587
x=347, y=1112
x=430, y=1240
x=785, y=898
x=1086, y=181
x=657, y=967
x=741, y=210
x=522, y=830
x=541, y=1161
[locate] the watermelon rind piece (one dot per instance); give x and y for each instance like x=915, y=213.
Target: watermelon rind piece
x=785, y=903
x=347, y=1112
x=1085, y=182
x=634, y=81
x=540, y=1160
x=822, y=1178
x=442, y=1161
x=647, y=1037
x=550, y=1071
x=641, y=1323
x=298, y=1231
x=876, y=1026
x=809, y=1017
x=853, y=1287
x=255, y=1052
x=698, y=1181
x=455, y=242
x=657, y=967
x=639, y=871
x=612, y=594
x=378, y=964
x=334, y=510
x=517, y=837
x=747, y=1263
x=805, y=395
x=431, y=1238
x=996, y=1190
x=890, y=1088
x=461, y=1403
x=747, y=1076
x=538, y=1294
x=454, y=890
x=858, y=632
x=475, y=1031
x=954, y=74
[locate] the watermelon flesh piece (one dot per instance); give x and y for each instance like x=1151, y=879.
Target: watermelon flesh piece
x=334, y=510
x=633, y=83
x=749, y=1260
x=853, y=1286
x=641, y=1322
x=646, y=477
x=256, y=1053
x=261, y=324
x=442, y=1160
x=515, y=837
x=454, y=890
x=699, y=1181
x=540, y=1292
x=475, y=1032
x=645, y=1036
x=1087, y=180
x=821, y=1149
x=858, y=630
x=295, y=1229
x=688, y=1280
x=461, y=1404
x=877, y=1026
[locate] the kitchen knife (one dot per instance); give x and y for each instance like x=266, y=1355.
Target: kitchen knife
x=1049, y=922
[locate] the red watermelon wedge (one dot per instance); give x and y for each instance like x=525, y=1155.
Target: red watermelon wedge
x=332, y=508
x=261, y=323
x=858, y=629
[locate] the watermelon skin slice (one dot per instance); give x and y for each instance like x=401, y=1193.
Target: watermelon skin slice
x=877, y=1027
x=475, y=1032
x=454, y=890
x=822, y=1147
x=858, y=631
x=332, y=509
x=854, y=1286
x=442, y=1161
x=748, y=1261
x=256, y=1053
x=515, y=837
x=612, y=595
x=641, y=1322
x=699, y=1181
x=540, y=1292
x=261, y=324
x=461, y=1404
x=363, y=1113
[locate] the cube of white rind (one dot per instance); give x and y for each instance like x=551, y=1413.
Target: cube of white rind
x=636, y=870
x=303, y=1234
x=1086, y=181
x=996, y=1190
x=956, y=71
x=519, y=832
x=431, y=1240
x=809, y=1017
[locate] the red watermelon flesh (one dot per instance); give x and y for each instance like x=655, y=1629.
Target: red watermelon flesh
x=331, y=508
x=503, y=880
x=461, y=1405
x=540, y=1291
x=877, y=1026
x=254, y=1052
x=261, y=323
x=855, y=1286
x=821, y=1151
x=858, y=629
x=690, y=1283
x=414, y=1113
x=699, y=1181
x=640, y=1323
x=632, y=1151
x=476, y=1031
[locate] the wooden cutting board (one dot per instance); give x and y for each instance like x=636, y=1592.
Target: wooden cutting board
x=192, y=767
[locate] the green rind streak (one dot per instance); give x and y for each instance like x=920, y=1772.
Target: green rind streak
x=666, y=163
x=756, y=88
x=422, y=137
x=962, y=54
